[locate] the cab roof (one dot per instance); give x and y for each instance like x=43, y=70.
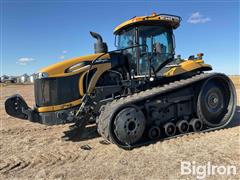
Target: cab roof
x=155, y=19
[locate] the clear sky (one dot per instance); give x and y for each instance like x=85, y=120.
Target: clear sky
x=35, y=34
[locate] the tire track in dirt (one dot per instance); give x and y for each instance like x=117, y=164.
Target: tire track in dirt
x=46, y=152
x=13, y=164
x=52, y=158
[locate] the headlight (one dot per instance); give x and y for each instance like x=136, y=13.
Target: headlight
x=41, y=75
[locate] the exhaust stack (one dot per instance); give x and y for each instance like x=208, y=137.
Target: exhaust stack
x=99, y=46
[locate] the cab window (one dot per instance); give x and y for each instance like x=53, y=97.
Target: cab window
x=157, y=43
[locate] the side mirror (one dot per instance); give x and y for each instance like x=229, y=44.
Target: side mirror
x=174, y=44
x=135, y=37
x=116, y=40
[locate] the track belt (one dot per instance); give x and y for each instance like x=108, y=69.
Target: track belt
x=110, y=109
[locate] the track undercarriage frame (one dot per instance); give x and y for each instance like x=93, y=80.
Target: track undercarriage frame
x=165, y=111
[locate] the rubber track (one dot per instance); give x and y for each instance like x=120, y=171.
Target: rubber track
x=108, y=110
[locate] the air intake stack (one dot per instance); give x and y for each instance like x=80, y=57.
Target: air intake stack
x=99, y=46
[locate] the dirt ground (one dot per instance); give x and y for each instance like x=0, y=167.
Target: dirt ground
x=34, y=151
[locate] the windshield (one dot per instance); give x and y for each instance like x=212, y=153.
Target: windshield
x=126, y=39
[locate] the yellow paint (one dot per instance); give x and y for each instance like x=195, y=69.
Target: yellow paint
x=101, y=68
x=57, y=70
x=58, y=107
x=199, y=61
x=81, y=85
x=175, y=23
x=186, y=66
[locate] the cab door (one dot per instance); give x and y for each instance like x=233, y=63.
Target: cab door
x=156, y=46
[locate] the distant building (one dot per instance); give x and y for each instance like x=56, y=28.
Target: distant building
x=8, y=79
x=4, y=78
x=18, y=79
x=32, y=78
x=24, y=78
x=12, y=79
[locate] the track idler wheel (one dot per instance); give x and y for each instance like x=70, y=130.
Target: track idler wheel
x=154, y=132
x=128, y=125
x=183, y=126
x=196, y=125
x=170, y=129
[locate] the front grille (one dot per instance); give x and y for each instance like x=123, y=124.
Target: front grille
x=56, y=91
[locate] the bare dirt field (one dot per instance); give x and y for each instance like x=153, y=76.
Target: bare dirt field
x=34, y=151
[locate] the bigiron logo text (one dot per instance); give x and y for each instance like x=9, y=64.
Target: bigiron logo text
x=201, y=171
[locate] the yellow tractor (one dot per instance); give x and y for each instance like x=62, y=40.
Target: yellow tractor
x=136, y=94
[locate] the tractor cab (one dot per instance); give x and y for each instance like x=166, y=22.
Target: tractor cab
x=148, y=42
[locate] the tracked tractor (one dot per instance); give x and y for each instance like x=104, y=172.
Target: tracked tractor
x=136, y=94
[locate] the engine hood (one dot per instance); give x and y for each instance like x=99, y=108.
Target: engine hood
x=59, y=69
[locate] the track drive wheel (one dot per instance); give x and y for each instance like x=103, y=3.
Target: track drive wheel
x=216, y=101
x=128, y=125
